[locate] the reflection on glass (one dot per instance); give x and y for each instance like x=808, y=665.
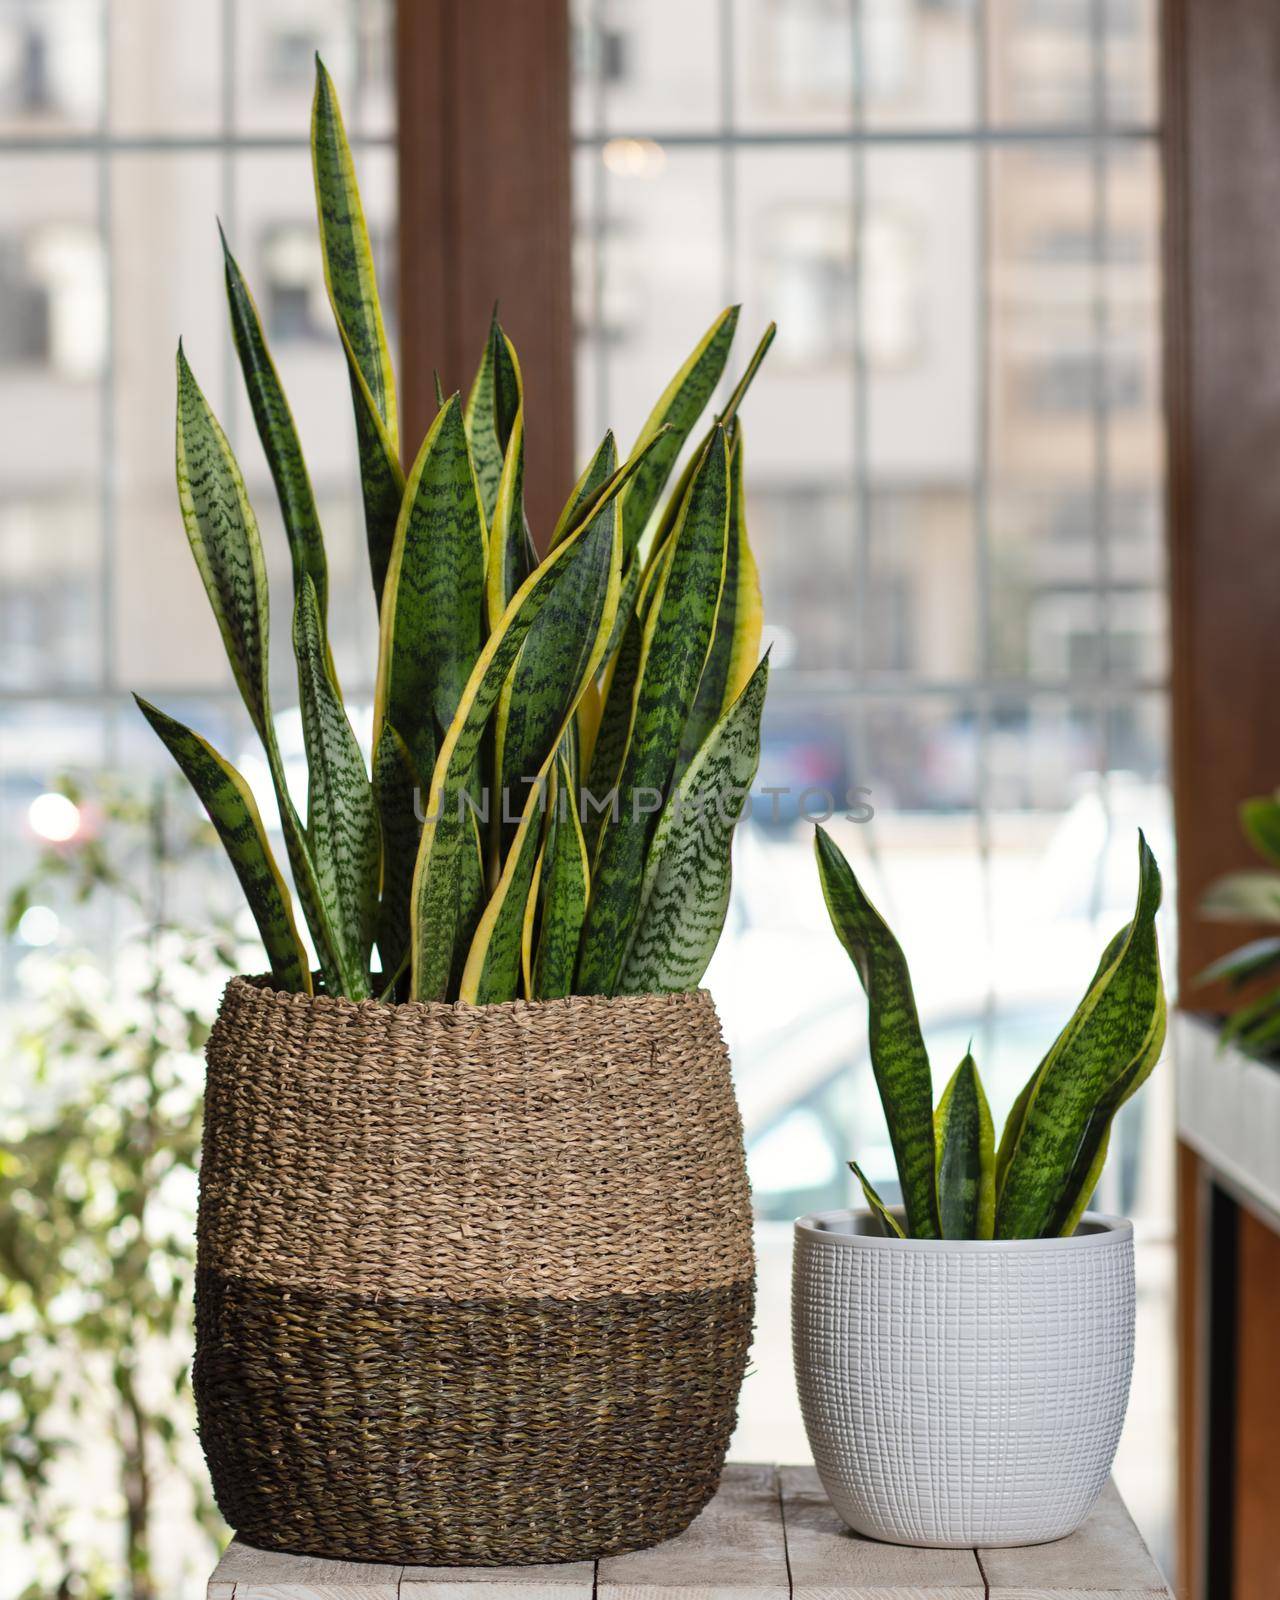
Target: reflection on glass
x=275, y=46
x=50, y=65
x=658, y=66
x=165, y=67
x=919, y=63
x=793, y=63
x=1041, y=65
x=52, y=348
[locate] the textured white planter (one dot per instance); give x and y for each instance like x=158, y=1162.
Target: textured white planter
x=962, y=1392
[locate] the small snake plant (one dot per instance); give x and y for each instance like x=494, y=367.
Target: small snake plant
x=1252, y=895
x=562, y=744
x=955, y=1183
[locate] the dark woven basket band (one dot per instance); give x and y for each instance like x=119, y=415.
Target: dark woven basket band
x=624, y=1403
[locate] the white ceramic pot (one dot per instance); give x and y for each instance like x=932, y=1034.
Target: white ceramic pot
x=962, y=1391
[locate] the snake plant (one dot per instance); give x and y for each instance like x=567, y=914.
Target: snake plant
x=956, y=1183
x=562, y=743
x=1251, y=896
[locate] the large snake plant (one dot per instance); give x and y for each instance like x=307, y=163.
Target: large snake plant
x=1252, y=895
x=956, y=1184
x=561, y=744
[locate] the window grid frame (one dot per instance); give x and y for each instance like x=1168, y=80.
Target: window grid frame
x=859, y=688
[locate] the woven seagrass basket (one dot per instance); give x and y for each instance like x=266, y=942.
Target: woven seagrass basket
x=475, y=1283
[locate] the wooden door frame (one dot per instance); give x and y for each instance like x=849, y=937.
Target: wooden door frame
x=486, y=215
x=1222, y=364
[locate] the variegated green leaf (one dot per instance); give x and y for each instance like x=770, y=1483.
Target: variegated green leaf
x=1013, y=1122
x=564, y=886
x=735, y=649
x=677, y=635
x=560, y=656
x=748, y=375
x=632, y=578
x=613, y=726
x=1105, y=1052
x=279, y=438
x=898, y=1056
x=586, y=723
x=966, y=1145
x=597, y=473
x=342, y=826
x=234, y=814
x=511, y=554
x=493, y=966
x=472, y=890
x=381, y=487
x=1088, y=1184
x=724, y=419
x=685, y=893
x=889, y=1224
x=679, y=407
x=353, y=293
x=348, y=257
x=433, y=603
x=481, y=420
x=436, y=938
x=397, y=791
x=223, y=533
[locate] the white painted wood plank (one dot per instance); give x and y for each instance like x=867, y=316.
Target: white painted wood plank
x=1228, y=1108
x=830, y=1562
x=247, y=1573
x=734, y=1551
x=738, y=1549
x=1106, y=1560
x=570, y=1580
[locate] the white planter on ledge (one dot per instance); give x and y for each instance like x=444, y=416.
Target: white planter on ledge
x=962, y=1392
x=1228, y=1108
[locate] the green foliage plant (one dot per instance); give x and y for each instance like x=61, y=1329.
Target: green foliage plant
x=956, y=1183
x=99, y=1130
x=618, y=672
x=1252, y=895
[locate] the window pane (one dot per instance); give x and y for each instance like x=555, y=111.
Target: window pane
x=1041, y=61
x=659, y=65
x=278, y=251
x=1133, y=62
x=662, y=274
x=53, y=341
x=792, y=263
x=162, y=628
x=275, y=44
x=50, y=65
x=920, y=275
x=919, y=63
x=166, y=67
x=1044, y=416
x=793, y=64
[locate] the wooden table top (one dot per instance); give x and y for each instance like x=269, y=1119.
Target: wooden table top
x=769, y=1534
